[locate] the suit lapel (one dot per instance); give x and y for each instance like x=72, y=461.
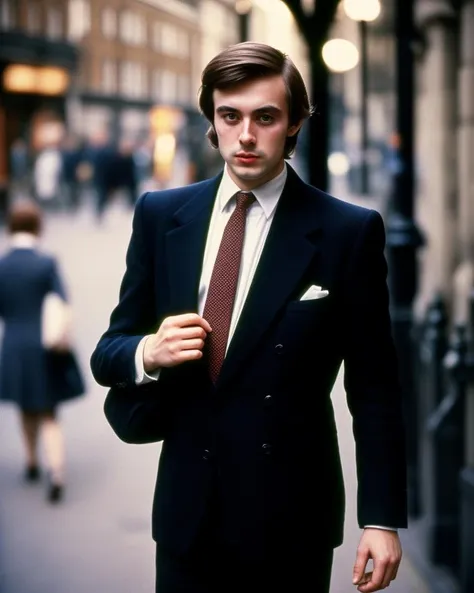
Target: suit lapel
x=291, y=245
x=185, y=245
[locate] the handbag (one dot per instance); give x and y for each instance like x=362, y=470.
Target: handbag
x=56, y=324
x=65, y=377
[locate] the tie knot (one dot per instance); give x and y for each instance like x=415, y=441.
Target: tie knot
x=244, y=199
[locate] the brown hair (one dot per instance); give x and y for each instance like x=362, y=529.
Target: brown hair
x=248, y=61
x=24, y=216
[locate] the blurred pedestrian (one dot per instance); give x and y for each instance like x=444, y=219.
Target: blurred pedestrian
x=47, y=173
x=72, y=155
x=102, y=157
x=126, y=175
x=19, y=168
x=143, y=158
x=34, y=379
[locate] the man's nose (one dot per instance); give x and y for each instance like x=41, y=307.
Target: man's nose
x=247, y=135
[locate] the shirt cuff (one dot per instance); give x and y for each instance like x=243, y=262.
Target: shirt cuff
x=381, y=527
x=142, y=378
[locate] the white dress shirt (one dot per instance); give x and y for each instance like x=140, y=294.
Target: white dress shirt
x=259, y=219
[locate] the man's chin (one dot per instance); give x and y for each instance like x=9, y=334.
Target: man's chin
x=247, y=172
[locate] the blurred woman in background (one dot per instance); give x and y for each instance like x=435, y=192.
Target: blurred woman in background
x=28, y=371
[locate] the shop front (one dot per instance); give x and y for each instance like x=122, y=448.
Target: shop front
x=35, y=77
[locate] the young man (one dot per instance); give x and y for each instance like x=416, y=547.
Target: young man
x=243, y=295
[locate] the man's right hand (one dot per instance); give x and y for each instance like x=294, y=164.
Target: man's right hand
x=178, y=339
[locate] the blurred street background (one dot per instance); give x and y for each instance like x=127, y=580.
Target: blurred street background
x=98, y=103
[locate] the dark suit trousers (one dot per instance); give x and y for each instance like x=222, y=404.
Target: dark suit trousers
x=214, y=566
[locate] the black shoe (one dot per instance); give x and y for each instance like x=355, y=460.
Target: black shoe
x=55, y=493
x=32, y=473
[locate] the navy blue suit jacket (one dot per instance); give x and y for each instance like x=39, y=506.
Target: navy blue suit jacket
x=263, y=440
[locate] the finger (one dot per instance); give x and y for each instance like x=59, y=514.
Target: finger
x=376, y=579
x=369, y=586
x=395, y=572
x=392, y=571
x=359, y=567
x=366, y=577
x=194, y=344
x=379, y=574
x=189, y=333
x=185, y=356
x=187, y=319
x=204, y=324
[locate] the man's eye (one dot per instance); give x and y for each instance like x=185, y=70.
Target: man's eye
x=230, y=116
x=266, y=119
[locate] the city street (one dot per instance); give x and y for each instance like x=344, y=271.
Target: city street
x=99, y=539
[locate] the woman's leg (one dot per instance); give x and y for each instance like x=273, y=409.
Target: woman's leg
x=53, y=442
x=30, y=423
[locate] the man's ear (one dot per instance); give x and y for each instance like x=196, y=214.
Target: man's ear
x=292, y=130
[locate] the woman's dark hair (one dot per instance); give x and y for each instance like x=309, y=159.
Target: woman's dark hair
x=24, y=216
x=250, y=61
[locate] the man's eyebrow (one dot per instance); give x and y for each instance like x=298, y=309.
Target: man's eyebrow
x=267, y=108
x=226, y=108
x=263, y=109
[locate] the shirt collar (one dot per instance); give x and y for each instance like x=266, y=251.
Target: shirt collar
x=23, y=241
x=267, y=195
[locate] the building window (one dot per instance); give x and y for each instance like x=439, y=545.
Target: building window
x=133, y=80
x=169, y=39
x=132, y=28
x=183, y=44
x=79, y=19
x=168, y=87
x=109, y=23
x=33, y=16
x=7, y=14
x=54, y=23
x=109, y=76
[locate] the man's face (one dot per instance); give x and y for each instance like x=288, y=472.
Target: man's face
x=251, y=123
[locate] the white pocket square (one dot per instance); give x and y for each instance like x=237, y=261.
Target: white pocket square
x=314, y=292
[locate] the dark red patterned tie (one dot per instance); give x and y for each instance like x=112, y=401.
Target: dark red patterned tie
x=223, y=284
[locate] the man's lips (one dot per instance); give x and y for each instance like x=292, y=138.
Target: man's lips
x=246, y=157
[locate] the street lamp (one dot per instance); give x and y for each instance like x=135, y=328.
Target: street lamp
x=366, y=11
x=243, y=8
x=404, y=237
x=363, y=12
x=340, y=55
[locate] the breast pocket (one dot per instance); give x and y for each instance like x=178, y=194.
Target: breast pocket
x=309, y=307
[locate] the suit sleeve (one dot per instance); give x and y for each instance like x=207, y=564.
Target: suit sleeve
x=138, y=415
x=371, y=382
x=113, y=360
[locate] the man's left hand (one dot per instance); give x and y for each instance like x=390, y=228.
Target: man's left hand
x=385, y=550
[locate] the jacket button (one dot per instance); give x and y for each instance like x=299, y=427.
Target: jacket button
x=266, y=448
x=267, y=400
x=206, y=455
x=279, y=348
